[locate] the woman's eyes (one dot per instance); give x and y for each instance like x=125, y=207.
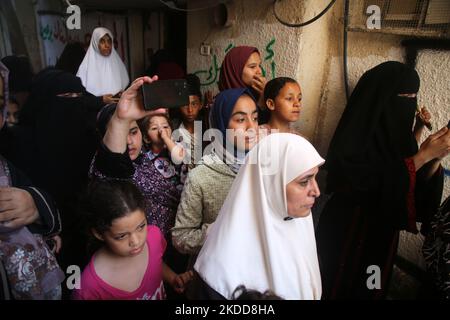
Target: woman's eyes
x=121, y=237
x=141, y=227
x=303, y=183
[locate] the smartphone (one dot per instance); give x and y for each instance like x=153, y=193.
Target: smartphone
x=165, y=94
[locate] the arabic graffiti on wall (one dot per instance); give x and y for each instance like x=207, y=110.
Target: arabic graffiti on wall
x=211, y=75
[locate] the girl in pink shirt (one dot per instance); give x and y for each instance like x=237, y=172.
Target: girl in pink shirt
x=129, y=265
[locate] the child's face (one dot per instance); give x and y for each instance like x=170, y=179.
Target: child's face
x=12, y=114
x=156, y=124
x=288, y=102
x=244, y=122
x=127, y=235
x=134, y=141
x=301, y=193
x=190, y=112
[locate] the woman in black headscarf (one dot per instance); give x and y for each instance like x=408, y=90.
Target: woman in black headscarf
x=71, y=57
x=28, y=216
x=373, y=172
x=55, y=142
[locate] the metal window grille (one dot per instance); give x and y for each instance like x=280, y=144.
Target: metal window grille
x=419, y=18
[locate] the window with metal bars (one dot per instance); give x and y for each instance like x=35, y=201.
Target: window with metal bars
x=408, y=17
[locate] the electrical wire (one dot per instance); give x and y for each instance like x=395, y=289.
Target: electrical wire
x=187, y=10
x=298, y=25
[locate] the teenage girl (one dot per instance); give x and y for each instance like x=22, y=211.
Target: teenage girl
x=283, y=97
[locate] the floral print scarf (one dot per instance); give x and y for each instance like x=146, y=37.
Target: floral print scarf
x=31, y=267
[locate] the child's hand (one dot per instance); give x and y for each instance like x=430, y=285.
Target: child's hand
x=424, y=117
x=259, y=83
x=108, y=98
x=164, y=133
x=180, y=281
x=58, y=244
x=209, y=99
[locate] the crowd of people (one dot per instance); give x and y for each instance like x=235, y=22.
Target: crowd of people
x=213, y=199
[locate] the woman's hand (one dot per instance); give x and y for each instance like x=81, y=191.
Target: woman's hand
x=258, y=84
x=17, y=208
x=130, y=107
x=435, y=147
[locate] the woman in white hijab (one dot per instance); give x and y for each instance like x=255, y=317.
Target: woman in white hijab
x=264, y=236
x=102, y=71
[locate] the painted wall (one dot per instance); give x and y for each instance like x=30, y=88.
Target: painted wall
x=313, y=56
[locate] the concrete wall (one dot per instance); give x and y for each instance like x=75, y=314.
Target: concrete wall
x=313, y=56
x=23, y=35
x=136, y=44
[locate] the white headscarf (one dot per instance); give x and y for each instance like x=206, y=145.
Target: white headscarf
x=251, y=243
x=102, y=75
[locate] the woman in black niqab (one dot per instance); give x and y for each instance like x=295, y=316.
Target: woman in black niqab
x=55, y=142
x=371, y=174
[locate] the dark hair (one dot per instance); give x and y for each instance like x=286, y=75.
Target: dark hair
x=193, y=83
x=71, y=57
x=144, y=124
x=20, y=73
x=274, y=86
x=12, y=99
x=242, y=293
x=104, y=115
x=106, y=200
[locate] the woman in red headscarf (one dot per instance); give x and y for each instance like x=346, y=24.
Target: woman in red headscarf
x=241, y=68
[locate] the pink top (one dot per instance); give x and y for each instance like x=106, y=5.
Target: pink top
x=151, y=288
